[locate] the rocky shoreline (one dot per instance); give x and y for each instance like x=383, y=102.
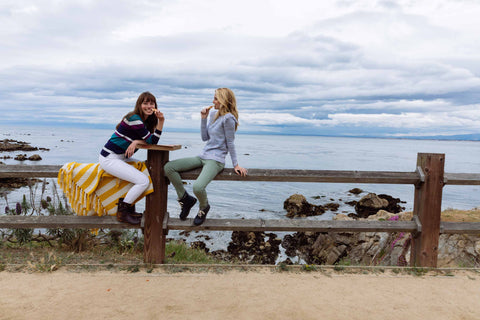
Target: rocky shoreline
x=330, y=248
x=9, y=145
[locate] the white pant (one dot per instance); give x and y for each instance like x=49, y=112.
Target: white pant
x=115, y=164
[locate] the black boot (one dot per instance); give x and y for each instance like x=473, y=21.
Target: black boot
x=124, y=213
x=133, y=213
x=186, y=203
x=201, y=215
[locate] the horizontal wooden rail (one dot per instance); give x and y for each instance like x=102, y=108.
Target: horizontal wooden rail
x=284, y=225
x=289, y=225
x=279, y=175
x=29, y=171
x=70, y=222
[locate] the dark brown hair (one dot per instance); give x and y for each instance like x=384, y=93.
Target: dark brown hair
x=151, y=120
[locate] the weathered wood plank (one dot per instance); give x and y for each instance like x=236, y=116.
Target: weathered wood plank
x=463, y=179
x=161, y=147
x=280, y=175
x=109, y=222
x=155, y=209
x=428, y=208
x=285, y=175
x=460, y=228
x=293, y=225
x=72, y=222
x=29, y=171
x=333, y=176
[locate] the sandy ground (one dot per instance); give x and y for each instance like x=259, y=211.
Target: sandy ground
x=238, y=295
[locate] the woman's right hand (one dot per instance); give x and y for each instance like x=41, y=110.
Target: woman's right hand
x=205, y=111
x=131, y=149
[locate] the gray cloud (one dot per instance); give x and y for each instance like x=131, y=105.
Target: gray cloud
x=388, y=68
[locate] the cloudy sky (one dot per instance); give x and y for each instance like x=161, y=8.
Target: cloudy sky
x=346, y=67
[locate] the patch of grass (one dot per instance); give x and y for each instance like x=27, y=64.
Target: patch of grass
x=282, y=267
x=42, y=257
x=417, y=271
x=180, y=252
x=454, y=215
x=344, y=262
x=308, y=267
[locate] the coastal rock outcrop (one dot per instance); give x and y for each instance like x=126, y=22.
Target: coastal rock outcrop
x=377, y=248
x=14, y=145
x=298, y=206
x=251, y=247
x=372, y=203
x=9, y=145
x=368, y=248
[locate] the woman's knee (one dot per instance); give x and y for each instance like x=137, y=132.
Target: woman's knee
x=143, y=181
x=168, y=168
x=198, y=187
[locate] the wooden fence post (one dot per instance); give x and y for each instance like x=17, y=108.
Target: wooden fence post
x=156, y=204
x=428, y=207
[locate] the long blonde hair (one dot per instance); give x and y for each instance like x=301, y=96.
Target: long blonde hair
x=228, y=103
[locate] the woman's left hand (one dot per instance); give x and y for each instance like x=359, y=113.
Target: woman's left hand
x=240, y=171
x=159, y=115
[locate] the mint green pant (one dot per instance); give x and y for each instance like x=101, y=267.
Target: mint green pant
x=210, y=169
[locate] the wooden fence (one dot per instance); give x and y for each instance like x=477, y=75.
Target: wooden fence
x=425, y=227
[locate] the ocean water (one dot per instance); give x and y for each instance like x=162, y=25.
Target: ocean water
x=232, y=199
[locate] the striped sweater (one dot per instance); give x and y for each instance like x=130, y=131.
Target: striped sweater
x=129, y=129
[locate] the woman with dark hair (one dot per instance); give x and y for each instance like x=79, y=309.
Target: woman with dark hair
x=219, y=133
x=143, y=125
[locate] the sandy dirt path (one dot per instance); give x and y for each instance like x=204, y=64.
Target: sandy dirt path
x=238, y=295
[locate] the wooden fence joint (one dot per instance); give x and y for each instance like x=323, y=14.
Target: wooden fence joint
x=418, y=224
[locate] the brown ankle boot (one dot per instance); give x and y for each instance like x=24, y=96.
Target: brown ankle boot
x=124, y=213
x=133, y=213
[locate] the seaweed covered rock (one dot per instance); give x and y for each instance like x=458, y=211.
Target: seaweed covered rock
x=298, y=206
x=372, y=203
x=251, y=247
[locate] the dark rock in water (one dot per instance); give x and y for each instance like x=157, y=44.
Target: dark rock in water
x=372, y=203
x=35, y=157
x=355, y=191
x=251, y=247
x=21, y=157
x=297, y=206
x=199, y=245
x=184, y=233
x=14, y=145
x=9, y=184
x=332, y=206
x=352, y=203
x=393, y=203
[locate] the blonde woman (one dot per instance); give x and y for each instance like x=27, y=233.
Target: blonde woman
x=219, y=133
